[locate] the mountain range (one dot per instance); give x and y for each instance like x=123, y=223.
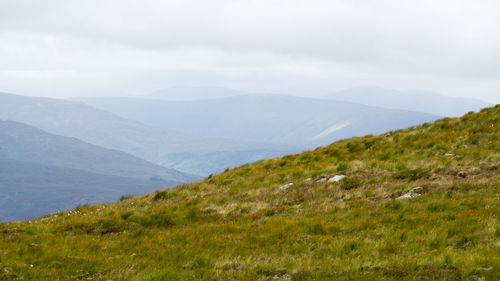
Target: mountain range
x=412, y=100
x=422, y=101
x=42, y=173
x=26, y=143
x=276, y=119
x=31, y=190
x=166, y=147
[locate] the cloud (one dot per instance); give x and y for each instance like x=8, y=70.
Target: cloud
x=138, y=46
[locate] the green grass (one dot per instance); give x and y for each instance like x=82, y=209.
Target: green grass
x=239, y=225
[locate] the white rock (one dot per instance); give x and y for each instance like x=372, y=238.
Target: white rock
x=286, y=186
x=410, y=194
x=336, y=178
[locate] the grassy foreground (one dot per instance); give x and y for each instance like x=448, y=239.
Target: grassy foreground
x=240, y=225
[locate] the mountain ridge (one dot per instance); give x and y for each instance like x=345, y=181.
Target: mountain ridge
x=268, y=118
x=32, y=189
x=156, y=145
x=29, y=144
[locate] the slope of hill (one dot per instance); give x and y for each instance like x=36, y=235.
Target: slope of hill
x=412, y=100
x=264, y=118
x=31, y=190
x=161, y=146
x=250, y=223
x=29, y=144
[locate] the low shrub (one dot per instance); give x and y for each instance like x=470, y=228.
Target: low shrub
x=162, y=195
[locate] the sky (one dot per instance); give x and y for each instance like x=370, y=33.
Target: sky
x=72, y=48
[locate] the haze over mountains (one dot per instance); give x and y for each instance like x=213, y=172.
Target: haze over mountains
x=432, y=103
x=31, y=190
x=264, y=118
x=165, y=147
x=27, y=143
x=194, y=93
x=59, y=153
x=42, y=173
x=416, y=100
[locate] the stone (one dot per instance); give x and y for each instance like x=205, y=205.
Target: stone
x=286, y=186
x=410, y=194
x=336, y=178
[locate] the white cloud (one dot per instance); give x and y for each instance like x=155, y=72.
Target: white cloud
x=65, y=48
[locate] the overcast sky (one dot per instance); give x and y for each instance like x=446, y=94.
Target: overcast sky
x=99, y=47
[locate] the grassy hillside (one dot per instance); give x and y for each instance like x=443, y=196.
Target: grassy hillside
x=240, y=225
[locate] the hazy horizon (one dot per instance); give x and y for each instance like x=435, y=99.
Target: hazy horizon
x=69, y=49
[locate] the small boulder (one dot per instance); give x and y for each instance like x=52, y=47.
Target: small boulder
x=410, y=194
x=286, y=186
x=336, y=178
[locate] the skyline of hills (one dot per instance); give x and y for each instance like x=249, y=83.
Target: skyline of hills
x=42, y=173
x=26, y=143
x=275, y=119
x=412, y=100
x=416, y=100
x=164, y=147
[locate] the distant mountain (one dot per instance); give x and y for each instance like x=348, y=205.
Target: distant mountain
x=161, y=146
x=432, y=103
x=30, y=190
x=26, y=143
x=264, y=118
x=194, y=93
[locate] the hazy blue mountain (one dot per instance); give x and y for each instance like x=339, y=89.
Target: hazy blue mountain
x=161, y=146
x=415, y=100
x=264, y=118
x=194, y=93
x=30, y=190
x=412, y=100
x=26, y=143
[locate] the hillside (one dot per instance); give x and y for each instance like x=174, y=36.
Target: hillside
x=164, y=147
x=31, y=190
x=250, y=223
x=264, y=118
x=29, y=144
